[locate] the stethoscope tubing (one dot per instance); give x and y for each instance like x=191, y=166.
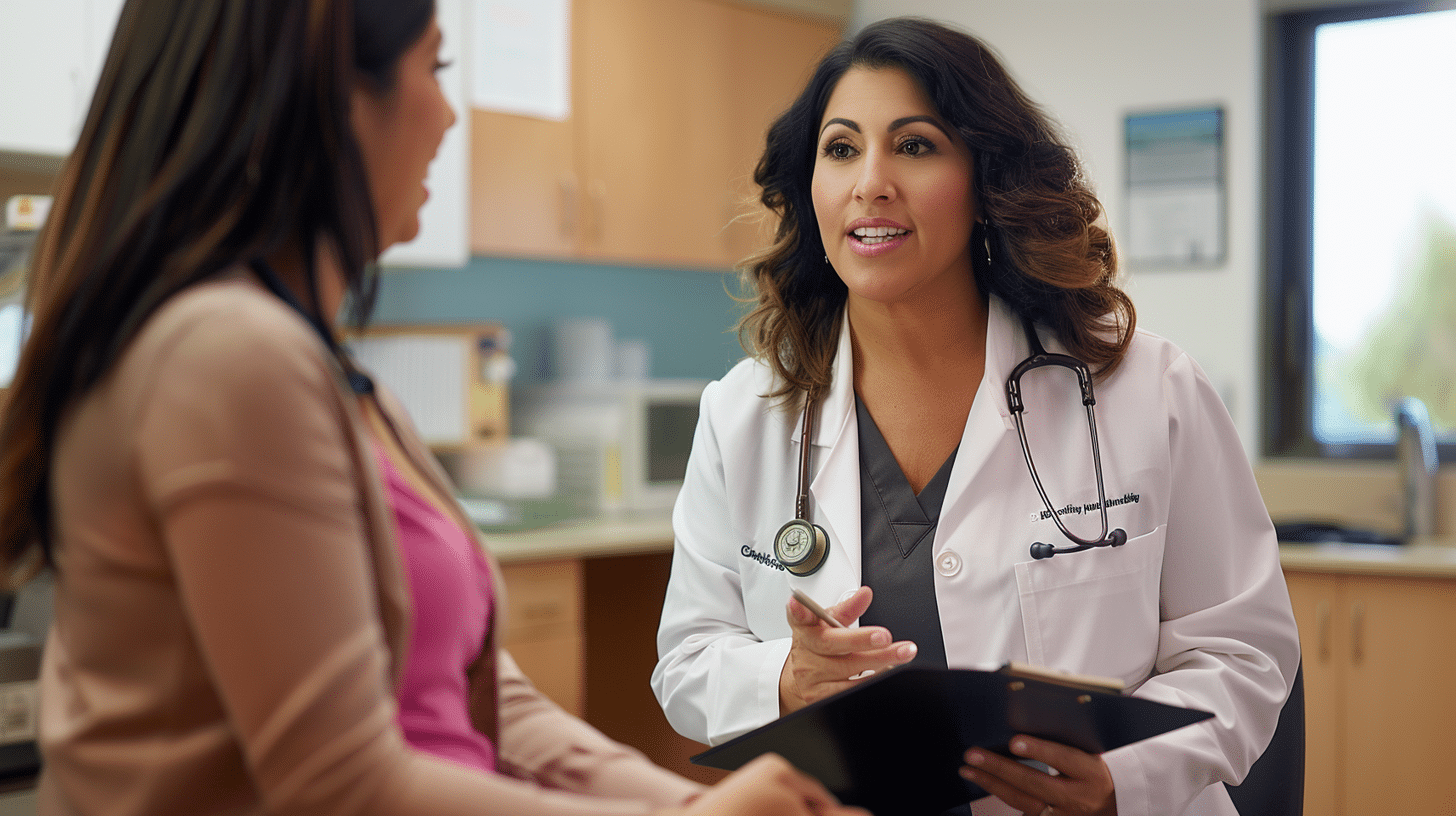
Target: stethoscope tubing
x=1037, y=358
x=801, y=499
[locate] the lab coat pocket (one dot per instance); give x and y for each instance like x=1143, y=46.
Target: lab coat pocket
x=1096, y=611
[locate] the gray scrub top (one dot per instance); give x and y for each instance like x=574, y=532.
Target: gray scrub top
x=897, y=528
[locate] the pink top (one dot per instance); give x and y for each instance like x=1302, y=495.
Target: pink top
x=450, y=586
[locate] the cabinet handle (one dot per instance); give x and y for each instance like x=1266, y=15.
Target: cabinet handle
x=1357, y=628
x=570, y=207
x=1322, y=615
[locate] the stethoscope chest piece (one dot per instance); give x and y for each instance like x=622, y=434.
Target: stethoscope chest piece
x=801, y=546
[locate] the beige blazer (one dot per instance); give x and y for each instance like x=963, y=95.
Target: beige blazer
x=232, y=611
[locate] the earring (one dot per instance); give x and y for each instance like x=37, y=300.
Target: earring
x=986, y=241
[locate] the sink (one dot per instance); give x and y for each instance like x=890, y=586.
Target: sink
x=1324, y=532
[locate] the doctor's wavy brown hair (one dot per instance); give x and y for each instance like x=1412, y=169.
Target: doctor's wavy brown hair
x=219, y=133
x=1052, y=261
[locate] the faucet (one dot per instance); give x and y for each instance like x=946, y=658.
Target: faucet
x=1415, y=451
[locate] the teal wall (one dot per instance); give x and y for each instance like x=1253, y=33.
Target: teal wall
x=685, y=316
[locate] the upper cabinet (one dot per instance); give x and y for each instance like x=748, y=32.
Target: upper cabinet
x=50, y=56
x=670, y=105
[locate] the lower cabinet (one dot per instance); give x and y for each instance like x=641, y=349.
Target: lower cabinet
x=584, y=630
x=544, y=609
x=1380, y=691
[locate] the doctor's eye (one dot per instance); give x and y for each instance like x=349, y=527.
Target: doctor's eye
x=914, y=146
x=839, y=150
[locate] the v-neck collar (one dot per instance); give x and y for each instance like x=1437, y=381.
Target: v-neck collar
x=910, y=516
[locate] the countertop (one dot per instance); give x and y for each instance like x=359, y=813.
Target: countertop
x=636, y=534
x=1434, y=558
x=627, y=534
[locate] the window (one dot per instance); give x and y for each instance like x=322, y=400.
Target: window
x=1361, y=257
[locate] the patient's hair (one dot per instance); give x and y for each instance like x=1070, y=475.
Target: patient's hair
x=219, y=133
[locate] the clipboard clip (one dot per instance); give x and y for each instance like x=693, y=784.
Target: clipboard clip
x=1087, y=682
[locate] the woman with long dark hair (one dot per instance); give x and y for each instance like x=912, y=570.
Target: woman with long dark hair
x=936, y=238
x=266, y=597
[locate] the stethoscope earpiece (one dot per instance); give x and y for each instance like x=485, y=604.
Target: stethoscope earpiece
x=1041, y=549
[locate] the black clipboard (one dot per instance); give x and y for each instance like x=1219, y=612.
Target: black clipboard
x=893, y=744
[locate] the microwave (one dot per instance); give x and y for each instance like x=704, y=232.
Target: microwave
x=453, y=379
x=621, y=446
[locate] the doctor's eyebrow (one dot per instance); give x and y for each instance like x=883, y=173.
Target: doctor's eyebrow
x=894, y=126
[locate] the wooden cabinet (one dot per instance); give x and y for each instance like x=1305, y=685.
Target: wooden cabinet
x=671, y=101
x=584, y=630
x=1379, y=663
x=624, y=602
x=543, y=631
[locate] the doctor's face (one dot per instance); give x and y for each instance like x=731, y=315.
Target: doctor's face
x=399, y=129
x=892, y=191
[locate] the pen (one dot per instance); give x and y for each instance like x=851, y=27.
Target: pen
x=821, y=612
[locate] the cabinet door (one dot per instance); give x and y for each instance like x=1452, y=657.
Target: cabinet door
x=1399, y=702
x=524, y=189
x=773, y=60
x=670, y=104
x=543, y=627
x=655, y=135
x=1315, y=598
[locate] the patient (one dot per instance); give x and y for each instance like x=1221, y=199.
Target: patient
x=267, y=599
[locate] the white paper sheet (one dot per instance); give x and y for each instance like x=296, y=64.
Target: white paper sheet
x=521, y=60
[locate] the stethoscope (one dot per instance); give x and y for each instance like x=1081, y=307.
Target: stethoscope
x=802, y=546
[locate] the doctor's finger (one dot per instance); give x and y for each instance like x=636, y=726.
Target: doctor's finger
x=811, y=669
x=821, y=639
x=1008, y=780
x=1069, y=762
x=848, y=610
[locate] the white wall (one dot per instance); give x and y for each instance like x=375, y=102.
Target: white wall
x=1091, y=62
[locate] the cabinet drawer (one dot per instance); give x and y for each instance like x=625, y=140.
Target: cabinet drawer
x=554, y=666
x=543, y=600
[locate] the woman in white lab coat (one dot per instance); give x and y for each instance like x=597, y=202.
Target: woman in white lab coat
x=932, y=222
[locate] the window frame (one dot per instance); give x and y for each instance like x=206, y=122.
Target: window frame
x=1288, y=348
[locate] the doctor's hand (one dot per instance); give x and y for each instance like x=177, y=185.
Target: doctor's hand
x=824, y=660
x=767, y=786
x=1083, y=786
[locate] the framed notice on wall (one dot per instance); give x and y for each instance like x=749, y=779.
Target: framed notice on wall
x=1176, y=194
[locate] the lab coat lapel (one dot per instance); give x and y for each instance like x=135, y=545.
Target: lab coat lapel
x=834, y=490
x=989, y=422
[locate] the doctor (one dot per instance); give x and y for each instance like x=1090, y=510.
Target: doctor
x=933, y=229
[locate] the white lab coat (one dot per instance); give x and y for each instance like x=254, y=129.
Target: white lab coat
x=1192, y=610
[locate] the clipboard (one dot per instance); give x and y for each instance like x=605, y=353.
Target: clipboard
x=893, y=744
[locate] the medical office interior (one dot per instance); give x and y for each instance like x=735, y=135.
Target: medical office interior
x=571, y=292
